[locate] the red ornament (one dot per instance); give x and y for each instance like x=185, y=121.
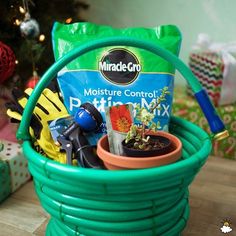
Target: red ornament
x=31, y=83
x=7, y=62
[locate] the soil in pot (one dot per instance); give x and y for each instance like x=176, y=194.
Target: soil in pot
x=158, y=145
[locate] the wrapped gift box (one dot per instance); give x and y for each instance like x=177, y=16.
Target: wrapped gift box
x=12, y=154
x=188, y=108
x=208, y=68
x=5, y=181
x=216, y=71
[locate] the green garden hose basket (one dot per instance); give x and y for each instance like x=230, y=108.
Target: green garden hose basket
x=143, y=202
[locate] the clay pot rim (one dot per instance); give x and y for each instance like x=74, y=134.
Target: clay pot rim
x=129, y=162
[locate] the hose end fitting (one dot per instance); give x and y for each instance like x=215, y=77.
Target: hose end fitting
x=221, y=135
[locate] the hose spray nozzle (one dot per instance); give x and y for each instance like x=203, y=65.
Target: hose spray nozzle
x=87, y=119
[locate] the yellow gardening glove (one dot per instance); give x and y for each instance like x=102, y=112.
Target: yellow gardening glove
x=49, y=107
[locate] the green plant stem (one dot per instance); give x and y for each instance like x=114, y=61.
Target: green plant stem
x=158, y=101
x=143, y=131
x=156, y=105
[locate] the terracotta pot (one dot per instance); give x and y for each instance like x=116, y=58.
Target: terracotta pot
x=116, y=162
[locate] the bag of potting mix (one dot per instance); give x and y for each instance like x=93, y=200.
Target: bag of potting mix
x=115, y=75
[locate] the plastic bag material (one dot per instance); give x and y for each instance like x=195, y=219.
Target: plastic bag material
x=115, y=75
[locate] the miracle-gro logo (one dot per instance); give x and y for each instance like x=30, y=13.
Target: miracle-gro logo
x=120, y=66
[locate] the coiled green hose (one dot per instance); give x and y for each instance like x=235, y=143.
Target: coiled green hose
x=90, y=202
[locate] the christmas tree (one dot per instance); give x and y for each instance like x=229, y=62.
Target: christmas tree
x=26, y=45
x=25, y=28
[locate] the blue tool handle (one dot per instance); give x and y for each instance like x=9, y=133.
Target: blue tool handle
x=84, y=119
x=214, y=121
